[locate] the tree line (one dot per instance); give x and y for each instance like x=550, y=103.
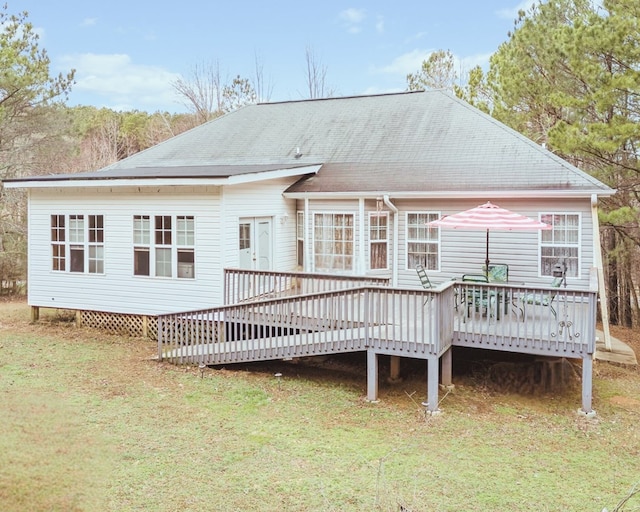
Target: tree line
x=567, y=77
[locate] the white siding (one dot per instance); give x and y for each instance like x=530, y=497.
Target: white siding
x=118, y=290
x=464, y=251
x=262, y=199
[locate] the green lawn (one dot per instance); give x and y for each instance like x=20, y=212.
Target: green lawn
x=90, y=422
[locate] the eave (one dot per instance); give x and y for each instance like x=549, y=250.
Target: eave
x=102, y=179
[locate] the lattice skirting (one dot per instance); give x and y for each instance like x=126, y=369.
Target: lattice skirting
x=118, y=323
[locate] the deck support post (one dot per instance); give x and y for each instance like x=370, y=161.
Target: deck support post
x=587, y=385
x=445, y=372
x=432, y=385
x=372, y=376
x=35, y=314
x=394, y=370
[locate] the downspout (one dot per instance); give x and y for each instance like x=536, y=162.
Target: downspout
x=597, y=257
x=361, y=266
x=394, y=263
x=306, y=237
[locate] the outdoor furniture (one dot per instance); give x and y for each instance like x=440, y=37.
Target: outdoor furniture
x=424, y=279
x=479, y=298
x=542, y=298
x=497, y=272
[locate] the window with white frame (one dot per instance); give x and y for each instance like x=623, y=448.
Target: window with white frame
x=77, y=243
x=333, y=241
x=378, y=240
x=562, y=242
x=58, y=243
x=300, y=238
x=423, y=242
x=161, y=240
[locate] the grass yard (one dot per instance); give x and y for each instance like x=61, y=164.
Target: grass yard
x=90, y=422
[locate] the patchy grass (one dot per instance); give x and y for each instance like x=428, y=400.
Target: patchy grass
x=90, y=422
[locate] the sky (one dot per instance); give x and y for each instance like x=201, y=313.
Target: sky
x=128, y=53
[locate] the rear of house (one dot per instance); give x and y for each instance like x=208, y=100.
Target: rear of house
x=342, y=185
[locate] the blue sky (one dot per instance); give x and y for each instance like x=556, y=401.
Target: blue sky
x=128, y=53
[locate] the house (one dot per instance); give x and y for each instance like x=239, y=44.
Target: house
x=342, y=186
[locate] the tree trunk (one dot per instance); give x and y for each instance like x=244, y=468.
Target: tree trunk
x=609, y=238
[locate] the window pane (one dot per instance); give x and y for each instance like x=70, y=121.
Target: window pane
x=378, y=256
x=422, y=241
x=141, y=229
x=163, y=230
x=186, y=264
x=244, y=236
x=76, y=228
x=163, y=262
x=57, y=228
x=96, y=259
x=185, y=230
x=141, y=261
x=333, y=241
x=76, y=258
x=58, y=257
x=96, y=228
x=560, y=243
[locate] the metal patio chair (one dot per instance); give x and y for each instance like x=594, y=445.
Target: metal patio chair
x=544, y=299
x=424, y=280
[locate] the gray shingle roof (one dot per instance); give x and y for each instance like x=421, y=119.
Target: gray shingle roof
x=395, y=143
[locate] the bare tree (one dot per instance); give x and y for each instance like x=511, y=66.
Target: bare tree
x=316, y=76
x=262, y=89
x=203, y=91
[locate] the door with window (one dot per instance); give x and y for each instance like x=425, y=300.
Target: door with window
x=255, y=243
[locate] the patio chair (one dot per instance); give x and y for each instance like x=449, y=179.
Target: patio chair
x=543, y=299
x=497, y=273
x=479, y=298
x=424, y=280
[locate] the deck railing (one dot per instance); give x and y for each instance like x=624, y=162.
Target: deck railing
x=283, y=322
x=416, y=323
x=241, y=285
x=538, y=320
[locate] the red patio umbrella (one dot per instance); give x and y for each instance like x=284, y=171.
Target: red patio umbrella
x=488, y=217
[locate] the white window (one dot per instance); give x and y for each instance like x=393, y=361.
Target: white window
x=560, y=243
x=300, y=238
x=77, y=243
x=141, y=245
x=58, y=243
x=379, y=241
x=423, y=242
x=155, y=249
x=333, y=241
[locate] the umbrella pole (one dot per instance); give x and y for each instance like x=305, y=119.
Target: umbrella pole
x=486, y=261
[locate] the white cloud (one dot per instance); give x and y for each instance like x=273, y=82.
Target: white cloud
x=406, y=63
x=380, y=25
x=353, y=19
x=119, y=83
x=89, y=22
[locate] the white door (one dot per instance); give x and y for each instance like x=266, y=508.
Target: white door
x=255, y=243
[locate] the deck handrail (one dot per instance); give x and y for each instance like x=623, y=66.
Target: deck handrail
x=403, y=321
x=540, y=319
x=241, y=285
x=389, y=319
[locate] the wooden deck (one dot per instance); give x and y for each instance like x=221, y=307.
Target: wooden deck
x=280, y=323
